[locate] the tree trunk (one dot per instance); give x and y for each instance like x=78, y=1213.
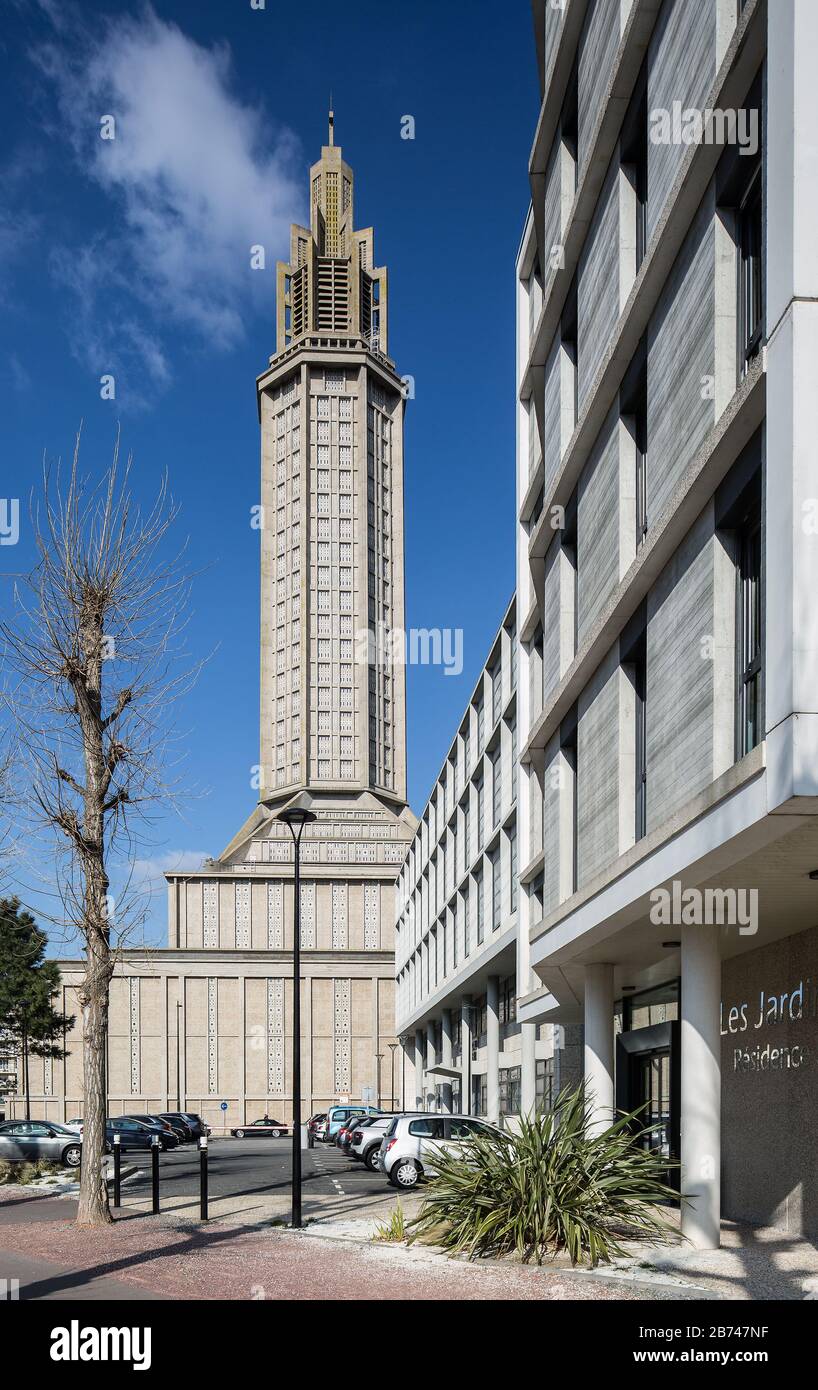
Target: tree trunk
x=94, y=1209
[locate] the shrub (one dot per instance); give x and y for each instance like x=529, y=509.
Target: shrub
x=24, y=1173
x=549, y=1188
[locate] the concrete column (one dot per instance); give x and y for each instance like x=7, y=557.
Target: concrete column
x=701, y=1087
x=465, y=1054
x=420, y=1048
x=431, y=1061
x=599, y=1044
x=446, y=1058
x=493, y=1049
x=528, y=1069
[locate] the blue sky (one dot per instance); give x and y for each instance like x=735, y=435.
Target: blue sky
x=132, y=258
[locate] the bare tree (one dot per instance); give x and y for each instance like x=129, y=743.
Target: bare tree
x=96, y=647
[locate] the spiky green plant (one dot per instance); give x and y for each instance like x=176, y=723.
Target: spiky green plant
x=395, y=1228
x=550, y=1187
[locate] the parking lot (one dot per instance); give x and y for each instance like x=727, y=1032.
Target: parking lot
x=249, y=1181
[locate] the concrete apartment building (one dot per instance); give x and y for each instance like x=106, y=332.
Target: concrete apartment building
x=456, y=935
x=667, y=701
x=206, y=1022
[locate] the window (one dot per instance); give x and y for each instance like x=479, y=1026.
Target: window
x=510, y=1090
x=496, y=787
x=544, y=1084
x=480, y=1094
x=750, y=231
x=481, y=728
x=739, y=519
x=569, y=122
x=512, y=847
x=634, y=410
x=635, y=159
x=496, y=890
x=480, y=1018
x=478, y=888
x=568, y=746
x=496, y=678
x=748, y=622
x=536, y=897
x=635, y=659
x=568, y=334
x=428, y=1128
x=479, y=789
x=570, y=538
x=740, y=193
x=508, y=1000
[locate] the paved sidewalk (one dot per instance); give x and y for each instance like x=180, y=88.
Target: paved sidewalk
x=157, y=1257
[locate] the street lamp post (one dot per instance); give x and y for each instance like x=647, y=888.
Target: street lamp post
x=296, y=817
x=378, y=1059
x=392, y=1047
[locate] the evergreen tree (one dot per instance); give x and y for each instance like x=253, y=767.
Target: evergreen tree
x=28, y=983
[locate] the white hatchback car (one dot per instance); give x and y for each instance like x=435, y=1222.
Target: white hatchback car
x=366, y=1140
x=411, y=1143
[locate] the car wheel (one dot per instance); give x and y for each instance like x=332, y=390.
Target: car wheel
x=72, y=1155
x=276, y=1133
x=405, y=1173
x=372, y=1158
x=239, y=1133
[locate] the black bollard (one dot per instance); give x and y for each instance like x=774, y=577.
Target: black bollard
x=203, y=1177
x=117, y=1158
x=155, y=1172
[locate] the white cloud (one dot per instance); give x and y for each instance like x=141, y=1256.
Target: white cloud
x=147, y=875
x=196, y=176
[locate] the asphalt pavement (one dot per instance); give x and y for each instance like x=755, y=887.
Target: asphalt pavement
x=250, y=1180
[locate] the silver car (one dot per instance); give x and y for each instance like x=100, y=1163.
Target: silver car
x=411, y=1143
x=24, y=1141
x=366, y=1140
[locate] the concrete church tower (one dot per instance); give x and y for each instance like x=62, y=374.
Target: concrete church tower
x=331, y=411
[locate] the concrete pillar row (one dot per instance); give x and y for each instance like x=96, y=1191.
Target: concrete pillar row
x=493, y=1049
x=599, y=1045
x=700, y=1117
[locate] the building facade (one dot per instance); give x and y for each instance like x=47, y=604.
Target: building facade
x=667, y=562
x=456, y=935
x=205, y=1024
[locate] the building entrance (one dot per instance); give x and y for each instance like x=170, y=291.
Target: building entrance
x=648, y=1081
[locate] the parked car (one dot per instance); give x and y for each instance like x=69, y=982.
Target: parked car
x=344, y=1136
x=152, y=1120
x=411, y=1142
x=180, y=1127
x=29, y=1140
x=337, y=1115
x=261, y=1129
x=365, y=1140
x=138, y=1134
x=316, y=1125
x=75, y=1125
x=195, y=1123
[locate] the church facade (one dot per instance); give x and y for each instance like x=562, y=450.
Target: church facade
x=205, y=1023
